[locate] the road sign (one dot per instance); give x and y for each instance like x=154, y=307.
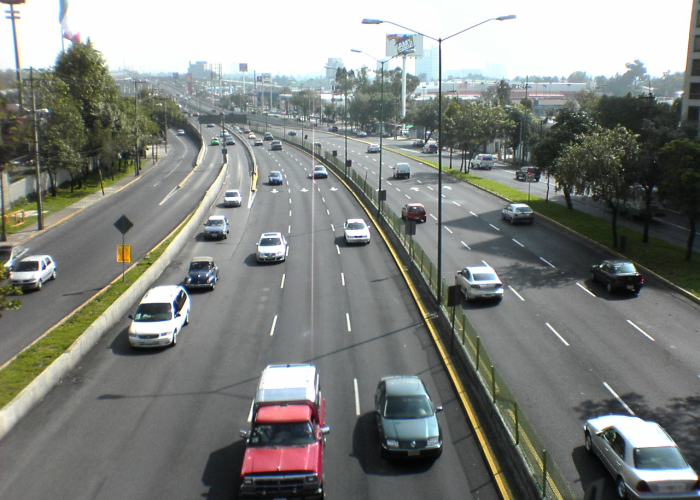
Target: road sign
x=123, y=224
x=124, y=253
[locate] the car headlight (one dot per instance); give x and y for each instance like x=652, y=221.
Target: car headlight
x=165, y=334
x=188, y=279
x=247, y=481
x=392, y=443
x=312, y=479
x=210, y=279
x=433, y=441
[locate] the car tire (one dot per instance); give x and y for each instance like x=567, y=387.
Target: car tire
x=54, y=275
x=187, y=319
x=512, y=220
x=173, y=342
x=609, y=287
x=588, y=442
x=39, y=284
x=621, y=488
x=593, y=280
x=637, y=289
x=213, y=286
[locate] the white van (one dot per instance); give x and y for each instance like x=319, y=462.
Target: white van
x=483, y=162
x=160, y=316
x=402, y=171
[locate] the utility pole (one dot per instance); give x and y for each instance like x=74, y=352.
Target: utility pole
x=39, y=205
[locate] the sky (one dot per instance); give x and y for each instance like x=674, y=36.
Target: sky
x=548, y=37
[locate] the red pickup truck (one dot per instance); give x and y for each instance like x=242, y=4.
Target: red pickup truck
x=284, y=446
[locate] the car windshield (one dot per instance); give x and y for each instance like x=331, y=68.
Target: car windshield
x=215, y=222
x=232, y=194
x=199, y=266
x=485, y=276
x=625, y=267
x=407, y=407
x=269, y=242
x=26, y=265
x=153, y=312
x=283, y=434
x=356, y=225
x=665, y=457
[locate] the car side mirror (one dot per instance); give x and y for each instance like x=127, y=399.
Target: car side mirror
x=244, y=434
x=131, y=317
x=325, y=430
x=438, y=409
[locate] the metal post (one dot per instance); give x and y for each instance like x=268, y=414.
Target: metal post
x=381, y=144
x=14, y=15
x=39, y=205
x=439, y=241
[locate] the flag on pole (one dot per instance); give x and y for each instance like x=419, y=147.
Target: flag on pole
x=63, y=18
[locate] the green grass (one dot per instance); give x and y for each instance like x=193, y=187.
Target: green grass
x=33, y=360
x=64, y=198
x=659, y=256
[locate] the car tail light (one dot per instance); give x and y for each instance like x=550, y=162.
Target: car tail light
x=643, y=486
x=641, y=280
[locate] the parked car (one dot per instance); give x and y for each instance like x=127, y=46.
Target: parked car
x=480, y=282
x=276, y=146
x=320, y=172
x=202, y=273
x=373, y=148
x=272, y=247
x=275, y=178
x=518, y=212
x=356, y=231
x=430, y=148
x=163, y=312
x=402, y=171
x=215, y=141
x=233, y=198
x=618, y=275
x=483, y=162
x=528, y=174
x=216, y=227
x=414, y=211
x=418, y=143
x=642, y=458
x=32, y=272
x=406, y=419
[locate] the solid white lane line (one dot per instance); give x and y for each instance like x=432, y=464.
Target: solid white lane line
x=557, y=334
x=641, y=331
x=284, y=276
x=342, y=278
x=585, y=289
x=619, y=399
x=518, y=243
x=357, y=397
x=347, y=319
x=465, y=245
x=548, y=263
x=274, y=322
x=516, y=293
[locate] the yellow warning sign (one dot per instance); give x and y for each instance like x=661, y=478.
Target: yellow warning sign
x=124, y=253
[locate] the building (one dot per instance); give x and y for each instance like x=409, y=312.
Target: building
x=200, y=70
x=691, y=82
x=428, y=66
x=332, y=67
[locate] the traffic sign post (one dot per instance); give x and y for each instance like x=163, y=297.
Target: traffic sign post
x=123, y=225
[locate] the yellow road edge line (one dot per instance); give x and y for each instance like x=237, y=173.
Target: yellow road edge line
x=494, y=466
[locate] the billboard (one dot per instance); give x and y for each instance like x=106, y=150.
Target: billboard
x=400, y=45
x=243, y=67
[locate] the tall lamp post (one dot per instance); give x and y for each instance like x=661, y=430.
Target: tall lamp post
x=380, y=195
x=439, y=41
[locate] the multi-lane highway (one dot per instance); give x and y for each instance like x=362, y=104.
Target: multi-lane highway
x=164, y=423
x=567, y=349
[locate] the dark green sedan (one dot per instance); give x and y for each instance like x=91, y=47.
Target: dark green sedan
x=407, y=419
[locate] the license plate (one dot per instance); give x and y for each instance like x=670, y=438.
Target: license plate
x=413, y=453
x=630, y=287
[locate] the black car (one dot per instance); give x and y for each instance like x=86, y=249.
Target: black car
x=407, y=419
x=527, y=173
x=202, y=273
x=618, y=275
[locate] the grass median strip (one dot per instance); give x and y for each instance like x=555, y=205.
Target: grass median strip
x=28, y=364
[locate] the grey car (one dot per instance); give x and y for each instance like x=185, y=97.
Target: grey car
x=643, y=460
x=407, y=419
x=518, y=212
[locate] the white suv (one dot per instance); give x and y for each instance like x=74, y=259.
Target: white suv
x=483, y=161
x=160, y=316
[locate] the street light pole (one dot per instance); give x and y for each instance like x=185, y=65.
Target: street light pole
x=439, y=41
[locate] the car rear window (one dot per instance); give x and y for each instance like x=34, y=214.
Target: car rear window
x=664, y=457
x=415, y=209
x=487, y=157
x=484, y=276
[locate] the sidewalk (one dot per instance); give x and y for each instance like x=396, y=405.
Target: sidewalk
x=55, y=218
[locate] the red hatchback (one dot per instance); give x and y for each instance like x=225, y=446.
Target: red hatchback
x=414, y=211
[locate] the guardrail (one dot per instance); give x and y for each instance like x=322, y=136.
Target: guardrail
x=542, y=470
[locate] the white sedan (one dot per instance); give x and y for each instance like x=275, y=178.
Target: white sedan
x=480, y=282
x=33, y=272
x=356, y=231
x=233, y=198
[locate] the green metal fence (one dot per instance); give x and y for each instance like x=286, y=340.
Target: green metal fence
x=547, y=476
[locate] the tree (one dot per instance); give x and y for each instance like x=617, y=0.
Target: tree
x=680, y=161
x=7, y=290
x=599, y=165
x=424, y=114
x=578, y=77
